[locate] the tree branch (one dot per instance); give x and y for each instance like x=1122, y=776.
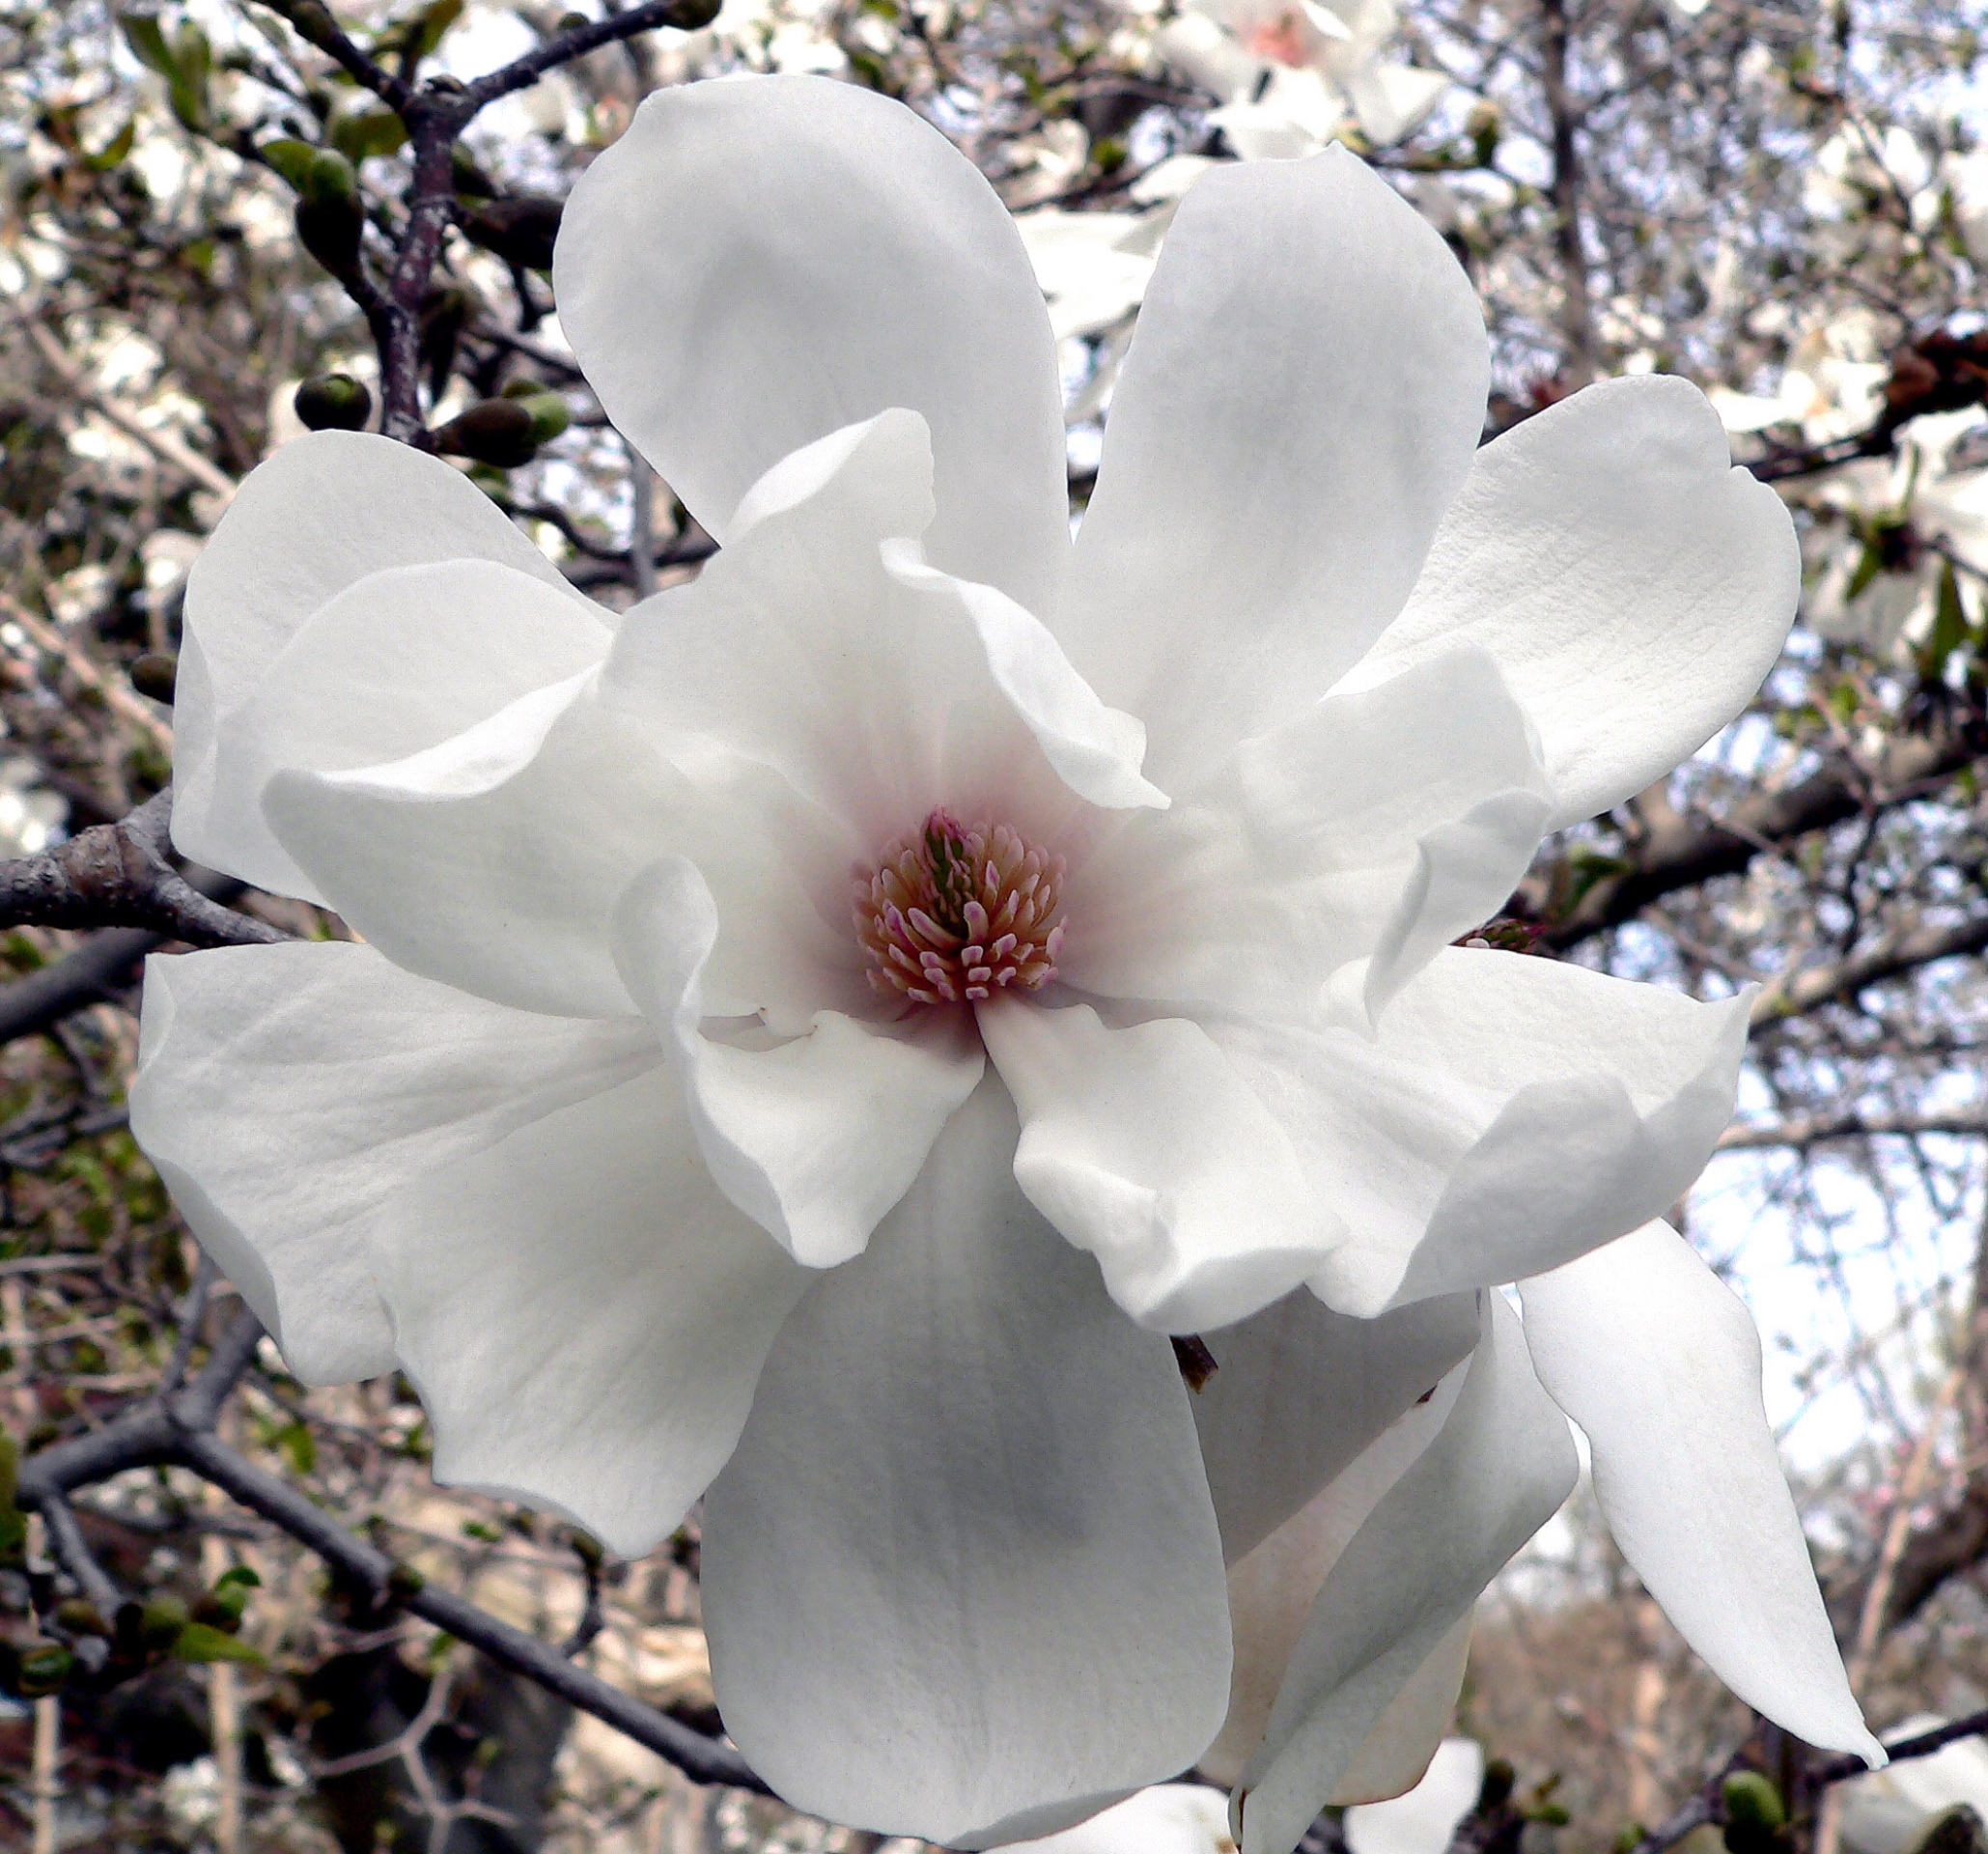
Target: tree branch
x=565, y=46
x=1686, y=850
x=116, y=875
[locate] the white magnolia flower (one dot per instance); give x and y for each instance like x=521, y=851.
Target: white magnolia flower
x=1424, y=1820
x=1890, y=1810
x=1286, y=71
x=668, y=1157
x=1169, y=1818
x=1886, y=532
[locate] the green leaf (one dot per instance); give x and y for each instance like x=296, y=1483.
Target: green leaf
x=197, y=1641
x=1868, y=566
x=368, y=133
x=290, y=159
x=241, y=1575
x=113, y=152
x=300, y=1445
x=148, y=42
x=1949, y=626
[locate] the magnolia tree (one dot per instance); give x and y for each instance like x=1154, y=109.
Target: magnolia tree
x=934, y=1169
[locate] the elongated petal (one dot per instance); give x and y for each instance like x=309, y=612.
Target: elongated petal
x=754, y=265
x=1376, y=825
x=285, y=1092
x=1635, y=587
x=819, y=644
x=962, y=1578
x=1169, y=1818
x=1272, y=1587
x=1299, y=1390
x=320, y=514
x=814, y=1138
x=1498, y=1469
x=1659, y=1362
x=1506, y=1108
x=1145, y=1147
x=583, y=1314
x=1302, y=401
x=396, y=663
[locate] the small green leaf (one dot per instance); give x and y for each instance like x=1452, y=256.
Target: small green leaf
x=368, y=133
x=148, y=42
x=240, y=1574
x=197, y=1641
x=1870, y=563
x=1949, y=626
x=300, y=1445
x=113, y=152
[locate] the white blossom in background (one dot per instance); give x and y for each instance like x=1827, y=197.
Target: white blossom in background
x=792, y=36
x=1831, y=386
x=831, y=1041
x=30, y=813
x=1889, y=1810
x=1886, y=531
x=1169, y=1818
x=1291, y=75
x=1424, y=1819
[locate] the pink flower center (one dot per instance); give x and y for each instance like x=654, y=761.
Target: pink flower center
x=959, y=912
x=1280, y=39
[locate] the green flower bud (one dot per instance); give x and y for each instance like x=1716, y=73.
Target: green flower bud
x=41, y=1669
x=500, y=431
x=1499, y=1780
x=1954, y=1831
x=329, y=230
x=81, y=1617
x=1752, y=1801
x=160, y=1621
x=404, y=1580
x=330, y=177
x=520, y=231
x=155, y=674
x=550, y=416
x=334, y=403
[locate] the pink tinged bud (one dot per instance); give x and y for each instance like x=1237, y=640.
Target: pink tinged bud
x=957, y=913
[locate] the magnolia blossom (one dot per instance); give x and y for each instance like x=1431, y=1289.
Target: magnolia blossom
x=859, y=1036
x=1890, y=537
x=1286, y=71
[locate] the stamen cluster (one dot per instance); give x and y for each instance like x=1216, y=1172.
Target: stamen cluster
x=959, y=912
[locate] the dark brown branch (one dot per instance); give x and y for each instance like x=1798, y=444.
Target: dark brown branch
x=1683, y=852
x=565, y=46
x=1890, y=956
x=116, y=875
x=1818, y=1129
x=311, y=21
x=180, y=1431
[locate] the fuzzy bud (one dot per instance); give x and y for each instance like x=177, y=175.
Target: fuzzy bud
x=334, y=403
x=500, y=432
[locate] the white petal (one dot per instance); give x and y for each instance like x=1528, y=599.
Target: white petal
x=396, y=663
x=1303, y=394
x=490, y=862
x=819, y=644
x=1507, y=1108
x=321, y=513
x=1423, y=1820
x=814, y=1138
x=755, y=265
x=584, y=1315
x=1169, y=1818
x=1299, y=1390
x=1142, y=1146
x=1396, y=1754
x=1498, y=1470
x=1659, y=1362
x=1272, y=1589
x=1391, y=100
x=285, y=1092
x=1377, y=825
x=962, y=1578
x=1634, y=586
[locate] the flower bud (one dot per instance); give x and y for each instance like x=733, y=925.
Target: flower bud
x=334, y=403
x=494, y=431
x=81, y=1617
x=329, y=229
x=520, y=231
x=155, y=674
x=160, y=1621
x=330, y=177
x=41, y=1669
